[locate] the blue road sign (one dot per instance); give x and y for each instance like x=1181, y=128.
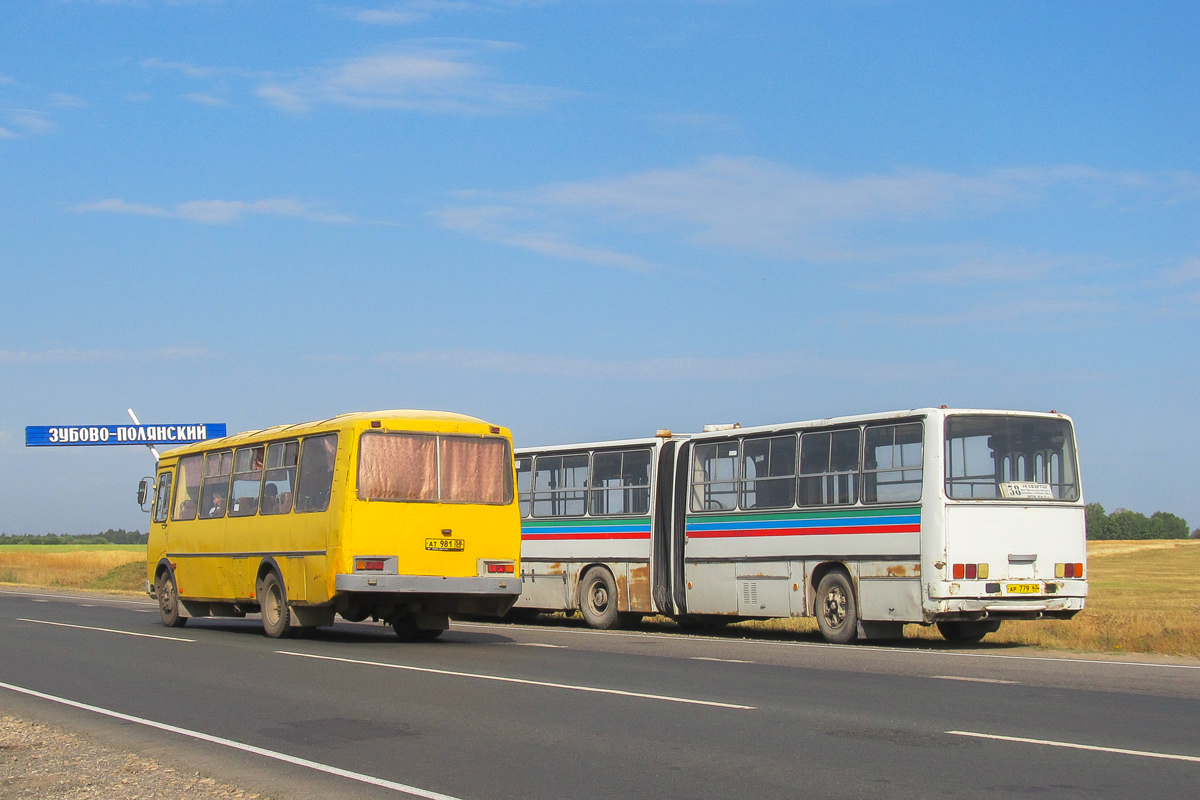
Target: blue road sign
x=73, y=435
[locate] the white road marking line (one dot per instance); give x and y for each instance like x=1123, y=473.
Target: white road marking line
x=247, y=748
x=41, y=601
x=77, y=597
x=87, y=605
x=105, y=630
x=723, y=660
x=971, y=680
x=861, y=648
x=1074, y=746
x=524, y=681
x=540, y=644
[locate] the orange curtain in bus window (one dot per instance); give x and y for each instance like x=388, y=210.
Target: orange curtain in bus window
x=187, y=488
x=397, y=467
x=476, y=470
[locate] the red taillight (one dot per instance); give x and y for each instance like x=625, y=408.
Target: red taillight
x=1074, y=570
x=369, y=564
x=972, y=572
x=504, y=569
x=960, y=571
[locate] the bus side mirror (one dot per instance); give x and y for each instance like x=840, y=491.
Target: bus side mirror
x=143, y=491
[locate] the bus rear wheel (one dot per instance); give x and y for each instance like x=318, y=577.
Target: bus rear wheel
x=967, y=632
x=405, y=626
x=598, y=599
x=836, y=608
x=272, y=599
x=168, y=600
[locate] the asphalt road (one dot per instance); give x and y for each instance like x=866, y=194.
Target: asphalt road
x=508, y=711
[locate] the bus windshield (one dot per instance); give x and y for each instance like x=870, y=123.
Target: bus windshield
x=1009, y=457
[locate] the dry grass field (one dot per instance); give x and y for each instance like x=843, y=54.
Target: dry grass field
x=107, y=567
x=1145, y=595
x=1144, y=598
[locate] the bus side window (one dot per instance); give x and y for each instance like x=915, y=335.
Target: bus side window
x=892, y=470
x=524, y=475
x=316, y=473
x=560, y=486
x=714, y=477
x=187, y=488
x=829, y=468
x=214, y=491
x=769, y=472
x=279, y=481
x=620, y=482
x=247, y=481
x=162, y=497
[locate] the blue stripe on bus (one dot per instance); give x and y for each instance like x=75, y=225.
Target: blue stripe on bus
x=821, y=522
x=585, y=528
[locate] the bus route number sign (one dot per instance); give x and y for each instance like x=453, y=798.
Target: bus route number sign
x=446, y=544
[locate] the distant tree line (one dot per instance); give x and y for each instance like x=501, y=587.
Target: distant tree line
x=1126, y=524
x=110, y=536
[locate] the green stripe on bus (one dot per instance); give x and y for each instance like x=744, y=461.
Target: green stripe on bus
x=849, y=513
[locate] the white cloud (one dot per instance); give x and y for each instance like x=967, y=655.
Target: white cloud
x=7, y=80
x=217, y=212
x=139, y=97
x=190, y=70
x=204, y=99
x=1187, y=272
x=5, y=133
x=437, y=79
x=763, y=207
x=37, y=122
x=69, y=356
x=420, y=10
x=61, y=100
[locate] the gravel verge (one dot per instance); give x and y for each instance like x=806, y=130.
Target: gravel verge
x=44, y=763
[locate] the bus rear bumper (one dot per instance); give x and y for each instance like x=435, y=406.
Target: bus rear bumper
x=980, y=608
x=427, y=584
x=381, y=595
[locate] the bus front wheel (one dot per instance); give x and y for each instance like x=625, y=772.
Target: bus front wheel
x=598, y=599
x=168, y=600
x=837, y=610
x=272, y=599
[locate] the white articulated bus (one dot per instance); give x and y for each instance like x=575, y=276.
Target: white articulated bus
x=961, y=518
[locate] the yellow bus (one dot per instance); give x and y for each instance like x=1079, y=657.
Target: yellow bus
x=401, y=516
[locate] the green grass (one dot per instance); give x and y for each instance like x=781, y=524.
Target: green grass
x=129, y=577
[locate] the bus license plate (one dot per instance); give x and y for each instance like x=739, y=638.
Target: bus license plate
x=1023, y=588
x=445, y=544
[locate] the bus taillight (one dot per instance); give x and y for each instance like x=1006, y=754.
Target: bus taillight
x=1068, y=570
x=505, y=568
x=368, y=565
x=970, y=572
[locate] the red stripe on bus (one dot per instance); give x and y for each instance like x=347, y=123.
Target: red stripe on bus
x=557, y=537
x=804, y=531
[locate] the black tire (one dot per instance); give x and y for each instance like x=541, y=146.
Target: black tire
x=272, y=600
x=836, y=608
x=967, y=632
x=598, y=599
x=405, y=626
x=168, y=600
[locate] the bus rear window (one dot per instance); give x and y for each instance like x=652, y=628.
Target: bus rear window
x=475, y=470
x=424, y=467
x=1001, y=457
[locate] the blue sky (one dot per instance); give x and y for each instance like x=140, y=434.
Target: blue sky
x=592, y=219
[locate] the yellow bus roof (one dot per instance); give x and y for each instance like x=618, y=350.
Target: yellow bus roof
x=340, y=421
